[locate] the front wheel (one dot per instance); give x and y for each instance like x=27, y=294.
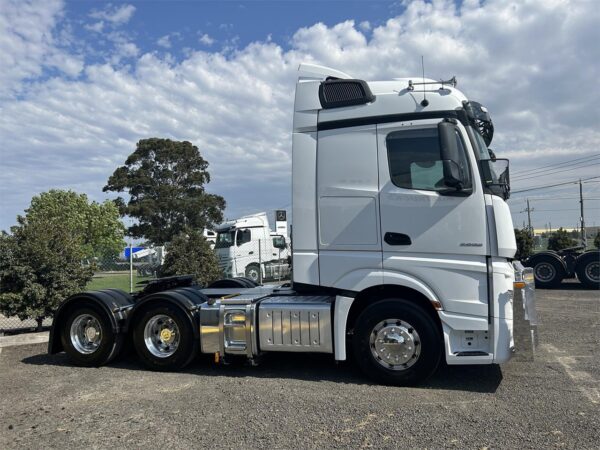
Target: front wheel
x=164, y=338
x=397, y=342
x=253, y=273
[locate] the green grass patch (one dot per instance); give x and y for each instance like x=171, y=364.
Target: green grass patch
x=114, y=281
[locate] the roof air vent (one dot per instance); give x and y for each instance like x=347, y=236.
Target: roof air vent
x=337, y=93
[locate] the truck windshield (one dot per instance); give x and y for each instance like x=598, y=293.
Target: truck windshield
x=225, y=239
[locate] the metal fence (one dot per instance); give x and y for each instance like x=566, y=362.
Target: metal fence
x=258, y=260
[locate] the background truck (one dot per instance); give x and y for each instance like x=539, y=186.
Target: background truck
x=550, y=267
x=246, y=247
x=403, y=249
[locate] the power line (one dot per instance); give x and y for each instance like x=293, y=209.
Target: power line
x=554, y=171
x=562, y=163
x=534, y=188
x=554, y=210
x=546, y=199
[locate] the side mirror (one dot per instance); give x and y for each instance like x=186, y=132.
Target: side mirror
x=450, y=156
x=451, y=174
x=492, y=155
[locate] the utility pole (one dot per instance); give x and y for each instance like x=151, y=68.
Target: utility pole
x=582, y=219
x=529, y=219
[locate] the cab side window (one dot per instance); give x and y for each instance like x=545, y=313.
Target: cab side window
x=414, y=159
x=243, y=236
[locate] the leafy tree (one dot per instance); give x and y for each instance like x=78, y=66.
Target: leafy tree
x=597, y=240
x=189, y=253
x=165, y=180
x=41, y=261
x=524, y=244
x=97, y=225
x=559, y=240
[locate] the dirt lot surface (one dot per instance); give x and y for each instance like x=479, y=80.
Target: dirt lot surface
x=310, y=402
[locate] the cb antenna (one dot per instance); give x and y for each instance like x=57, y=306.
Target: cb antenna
x=424, y=102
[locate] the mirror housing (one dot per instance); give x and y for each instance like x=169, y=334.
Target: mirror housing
x=449, y=154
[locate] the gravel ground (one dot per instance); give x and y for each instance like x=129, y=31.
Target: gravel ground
x=303, y=401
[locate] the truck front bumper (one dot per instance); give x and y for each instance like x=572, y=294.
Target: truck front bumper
x=525, y=318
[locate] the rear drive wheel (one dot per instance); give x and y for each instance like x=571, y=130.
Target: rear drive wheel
x=548, y=272
x=253, y=273
x=88, y=338
x=588, y=270
x=396, y=342
x=164, y=339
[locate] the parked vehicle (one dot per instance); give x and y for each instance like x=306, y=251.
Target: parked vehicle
x=403, y=249
x=246, y=247
x=550, y=268
x=210, y=236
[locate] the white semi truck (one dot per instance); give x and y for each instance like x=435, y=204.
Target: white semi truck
x=246, y=247
x=403, y=249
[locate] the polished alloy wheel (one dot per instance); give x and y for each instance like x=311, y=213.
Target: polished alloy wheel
x=395, y=344
x=161, y=336
x=86, y=334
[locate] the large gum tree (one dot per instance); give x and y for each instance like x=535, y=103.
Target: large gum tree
x=165, y=181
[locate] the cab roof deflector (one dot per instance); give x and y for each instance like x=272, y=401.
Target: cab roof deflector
x=315, y=71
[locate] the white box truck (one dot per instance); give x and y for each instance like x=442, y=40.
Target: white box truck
x=403, y=249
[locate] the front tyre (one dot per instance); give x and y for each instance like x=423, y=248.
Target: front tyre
x=164, y=338
x=253, y=273
x=88, y=338
x=397, y=342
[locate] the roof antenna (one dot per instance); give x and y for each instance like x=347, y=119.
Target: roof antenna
x=424, y=102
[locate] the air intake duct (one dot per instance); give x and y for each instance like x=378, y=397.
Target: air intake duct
x=336, y=93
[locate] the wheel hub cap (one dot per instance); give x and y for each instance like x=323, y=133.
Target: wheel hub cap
x=395, y=344
x=161, y=336
x=86, y=334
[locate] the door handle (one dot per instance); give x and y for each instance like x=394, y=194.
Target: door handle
x=251, y=253
x=397, y=239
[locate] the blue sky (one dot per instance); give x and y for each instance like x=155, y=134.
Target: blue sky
x=243, y=22
x=82, y=81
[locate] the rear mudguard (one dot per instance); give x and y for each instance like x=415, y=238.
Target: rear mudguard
x=113, y=302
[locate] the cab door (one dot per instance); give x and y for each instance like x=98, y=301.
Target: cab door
x=428, y=232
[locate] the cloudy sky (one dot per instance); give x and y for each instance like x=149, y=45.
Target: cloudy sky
x=82, y=81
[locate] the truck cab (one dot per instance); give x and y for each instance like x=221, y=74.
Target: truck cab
x=246, y=247
x=396, y=191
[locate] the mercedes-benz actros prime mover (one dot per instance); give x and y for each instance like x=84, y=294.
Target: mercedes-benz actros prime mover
x=403, y=249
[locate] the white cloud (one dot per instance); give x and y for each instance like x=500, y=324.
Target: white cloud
x=30, y=43
x=164, y=41
x=206, y=40
x=96, y=27
x=117, y=15
x=533, y=64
